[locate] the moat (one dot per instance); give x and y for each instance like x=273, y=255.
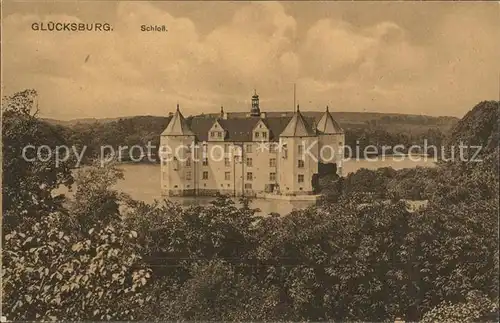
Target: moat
x=142, y=182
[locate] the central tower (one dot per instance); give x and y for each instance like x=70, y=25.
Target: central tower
x=255, y=111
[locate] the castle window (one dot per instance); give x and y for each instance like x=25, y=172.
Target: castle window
x=219, y=134
x=301, y=178
x=249, y=148
x=226, y=148
x=188, y=176
x=272, y=177
x=212, y=134
x=301, y=149
x=205, y=175
x=249, y=162
x=205, y=161
x=300, y=163
x=227, y=163
x=188, y=162
x=260, y=126
x=272, y=162
x=272, y=147
x=227, y=176
x=176, y=163
x=264, y=135
x=257, y=135
x=249, y=176
x=248, y=186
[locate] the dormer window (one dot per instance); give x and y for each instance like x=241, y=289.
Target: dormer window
x=216, y=132
x=260, y=132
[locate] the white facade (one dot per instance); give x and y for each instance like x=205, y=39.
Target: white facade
x=247, y=156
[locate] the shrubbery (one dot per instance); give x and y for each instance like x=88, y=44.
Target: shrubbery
x=103, y=256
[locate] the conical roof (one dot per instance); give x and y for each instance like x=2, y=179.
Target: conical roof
x=328, y=125
x=297, y=127
x=177, y=126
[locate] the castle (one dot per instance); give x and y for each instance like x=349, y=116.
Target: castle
x=249, y=154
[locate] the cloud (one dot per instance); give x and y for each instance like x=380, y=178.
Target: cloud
x=375, y=67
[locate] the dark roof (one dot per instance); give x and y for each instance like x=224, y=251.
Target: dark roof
x=240, y=129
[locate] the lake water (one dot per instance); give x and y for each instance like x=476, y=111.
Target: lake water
x=142, y=182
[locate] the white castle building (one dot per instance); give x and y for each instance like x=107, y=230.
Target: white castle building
x=249, y=154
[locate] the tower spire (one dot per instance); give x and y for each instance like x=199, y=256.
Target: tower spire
x=255, y=111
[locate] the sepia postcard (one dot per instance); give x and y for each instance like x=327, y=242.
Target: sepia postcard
x=247, y=161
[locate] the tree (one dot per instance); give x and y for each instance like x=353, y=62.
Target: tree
x=52, y=273
x=27, y=183
x=77, y=263
x=475, y=308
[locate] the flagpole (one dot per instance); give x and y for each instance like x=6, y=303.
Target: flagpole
x=294, y=96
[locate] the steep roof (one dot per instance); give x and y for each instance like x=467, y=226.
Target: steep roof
x=297, y=127
x=177, y=126
x=240, y=129
x=328, y=125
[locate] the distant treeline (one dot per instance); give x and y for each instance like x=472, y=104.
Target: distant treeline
x=382, y=130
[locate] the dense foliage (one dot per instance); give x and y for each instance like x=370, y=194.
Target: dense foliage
x=360, y=255
x=27, y=185
x=478, y=127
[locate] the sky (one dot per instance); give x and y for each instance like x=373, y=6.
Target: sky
x=431, y=58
